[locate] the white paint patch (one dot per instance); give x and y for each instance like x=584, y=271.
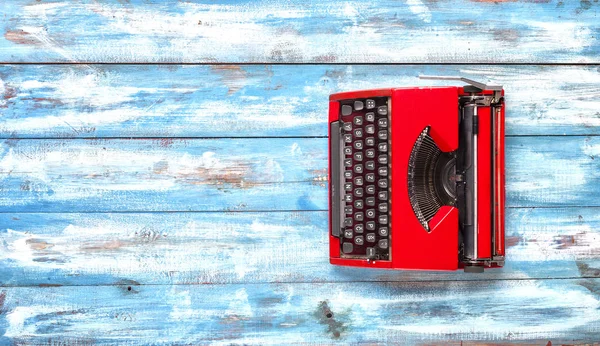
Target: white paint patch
x=2, y=91
x=239, y=305
x=17, y=317
x=421, y=10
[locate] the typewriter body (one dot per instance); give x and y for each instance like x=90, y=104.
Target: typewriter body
x=416, y=177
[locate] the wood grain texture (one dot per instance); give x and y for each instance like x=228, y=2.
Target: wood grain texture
x=257, y=247
x=300, y=31
x=89, y=175
x=532, y=311
x=94, y=101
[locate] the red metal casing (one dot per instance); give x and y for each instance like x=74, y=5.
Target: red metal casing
x=412, y=109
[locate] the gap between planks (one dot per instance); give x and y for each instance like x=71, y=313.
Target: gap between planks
x=306, y=64
x=250, y=211
x=257, y=283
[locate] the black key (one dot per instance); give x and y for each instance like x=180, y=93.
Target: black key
x=358, y=192
x=370, y=201
x=358, y=145
x=358, y=168
x=348, y=234
x=382, y=195
x=348, y=210
x=382, y=122
x=383, y=243
x=381, y=147
x=358, y=133
x=383, y=231
x=382, y=159
x=371, y=252
x=348, y=186
x=383, y=207
x=370, y=129
x=348, y=138
x=348, y=150
x=370, y=117
x=382, y=183
x=370, y=225
x=383, y=219
x=348, y=222
x=370, y=189
x=382, y=135
x=370, y=104
x=370, y=153
x=358, y=121
x=358, y=105
x=359, y=216
x=346, y=110
x=347, y=162
x=370, y=141
x=381, y=110
x=348, y=198
x=358, y=181
x=358, y=240
x=382, y=171
x=370, y=177
x=359, y=228
x=347, y=126
x=370, y=237
x=347, y=248
x=348, y=174
x=370, y=165
x=358, y=156
x=358, y=204
x=371, y=213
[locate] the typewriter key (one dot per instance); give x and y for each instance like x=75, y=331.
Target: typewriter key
x=346, y=110
x=358, y=105
x=347, y=248
x=358, y=240
x=359, y=217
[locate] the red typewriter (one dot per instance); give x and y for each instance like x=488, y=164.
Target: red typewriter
x=416, y=177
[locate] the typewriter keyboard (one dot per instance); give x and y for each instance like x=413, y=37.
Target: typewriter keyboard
x=365, y=178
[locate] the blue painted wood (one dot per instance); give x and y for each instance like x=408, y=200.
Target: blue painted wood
x=257, y=247
x=247, y=174
x=532, y=311
x=300, y=31
x=96, y=215
x=90, y=101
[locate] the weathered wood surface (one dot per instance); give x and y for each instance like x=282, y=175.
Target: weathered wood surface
x=536, y=311
x=92, y=175
x=40, y=249
x=300, y=31
x=130, y=213
x=91, y=101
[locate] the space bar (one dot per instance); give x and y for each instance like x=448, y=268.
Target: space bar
x=336, y=172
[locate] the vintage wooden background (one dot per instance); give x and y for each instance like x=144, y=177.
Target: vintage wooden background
x=163, y=171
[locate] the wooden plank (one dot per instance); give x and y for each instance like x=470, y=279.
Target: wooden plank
x=532, y=311
x=300, y=32
x=91, y=101
x=247, y=174
x=257, y=247
x=163, y=174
